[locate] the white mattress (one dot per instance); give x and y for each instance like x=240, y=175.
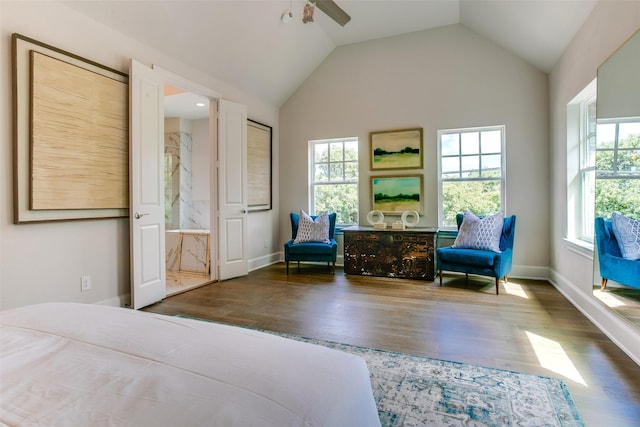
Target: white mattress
x=64, y=364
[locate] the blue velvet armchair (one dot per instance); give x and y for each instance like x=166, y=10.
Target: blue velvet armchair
x=477, y=261
x=311, y=251
x=612, y=265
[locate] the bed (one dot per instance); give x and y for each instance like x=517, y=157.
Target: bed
x=68, y=364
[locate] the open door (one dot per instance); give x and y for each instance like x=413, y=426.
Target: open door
x=146, y=175
x=232, y=190
x=146, y=192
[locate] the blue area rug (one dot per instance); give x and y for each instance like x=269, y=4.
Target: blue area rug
x=419, y=391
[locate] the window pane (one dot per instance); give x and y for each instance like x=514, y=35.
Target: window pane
x=449, y=145
x=606, y=135
x=588, y=155
x=336, y=154
x=618, y=195
x=629, y=161
x=480, y=197
x=629, y=135
x=470, y=166
x=604, y=161
x=351, y=150
x=339, y=198
x=321, y=173
x=492, y=141
x=588, y=203
x=336, y=172
x=321, y=153
x=351, y=171
x=451, y=165
x=455, y=175
x=491, y=162
x=470, y=142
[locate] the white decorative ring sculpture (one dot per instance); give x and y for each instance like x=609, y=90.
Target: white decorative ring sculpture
x=406, y=218
x=375, y=217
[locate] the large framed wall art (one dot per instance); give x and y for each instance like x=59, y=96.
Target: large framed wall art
x=396, y=149
x=71, y=136
x=259, y=157
x=397, y=194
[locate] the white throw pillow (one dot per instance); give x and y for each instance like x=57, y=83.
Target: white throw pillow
x=627, y=232
x=476, y=233
x=310, y=230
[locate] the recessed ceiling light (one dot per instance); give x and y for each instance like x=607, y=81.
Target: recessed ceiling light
x=200, y=104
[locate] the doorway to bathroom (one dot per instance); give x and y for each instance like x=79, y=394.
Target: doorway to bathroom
x=187, y=190
x=225, y=178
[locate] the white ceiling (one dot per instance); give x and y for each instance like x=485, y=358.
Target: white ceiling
x=247, y=45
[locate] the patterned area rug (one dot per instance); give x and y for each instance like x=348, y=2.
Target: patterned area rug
x=419, y=391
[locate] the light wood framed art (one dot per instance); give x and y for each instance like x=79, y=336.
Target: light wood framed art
x=71, y=136
x=396, y=149
x=397, y=194
x=259, y=157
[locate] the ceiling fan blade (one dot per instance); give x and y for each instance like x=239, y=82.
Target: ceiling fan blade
x=333, y=11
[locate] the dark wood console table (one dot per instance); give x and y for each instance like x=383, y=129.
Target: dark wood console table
x=408, y=253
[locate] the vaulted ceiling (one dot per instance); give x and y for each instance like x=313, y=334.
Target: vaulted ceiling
x=247, y=44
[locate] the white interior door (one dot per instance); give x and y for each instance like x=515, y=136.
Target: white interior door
x=232, y=190
x=146, y=192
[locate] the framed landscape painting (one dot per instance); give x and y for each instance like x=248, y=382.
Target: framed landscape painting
x=397, y=194
x=396, y=149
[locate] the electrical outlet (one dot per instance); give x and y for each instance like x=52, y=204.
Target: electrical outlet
x=85, y=283
x=265, y=243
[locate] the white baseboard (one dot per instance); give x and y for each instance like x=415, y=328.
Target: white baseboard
x=619, y=330
x=119, y=301
x=265, y=260
x=529, y=272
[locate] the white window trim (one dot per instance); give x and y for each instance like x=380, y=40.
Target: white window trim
x=311, y=180
x=615, y=174
x=575, y=209
x=503, y=164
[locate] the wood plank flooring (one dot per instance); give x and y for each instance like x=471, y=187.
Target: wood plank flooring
x=530, y=327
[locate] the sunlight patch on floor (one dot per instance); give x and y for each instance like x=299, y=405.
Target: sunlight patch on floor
x=515, y=290
x=609, y=299
x=552, y=356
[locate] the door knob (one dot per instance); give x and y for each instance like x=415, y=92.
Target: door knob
x=139, y=215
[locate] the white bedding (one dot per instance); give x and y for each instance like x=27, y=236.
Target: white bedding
x=65, y=364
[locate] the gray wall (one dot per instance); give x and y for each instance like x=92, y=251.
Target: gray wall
x=610, y=24
x=437, y=79
x=44, y=262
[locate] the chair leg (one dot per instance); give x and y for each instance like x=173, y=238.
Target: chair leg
x=604, y=284
x=440, y=277
x=298, y=267
x=333, y=268
x=287, y=267
x=466, y=278
x=498, y=285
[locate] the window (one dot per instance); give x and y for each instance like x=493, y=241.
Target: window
x=581, y=161
x=618, y=167
x=334, y=178
x=585, y=220
x=471, y=172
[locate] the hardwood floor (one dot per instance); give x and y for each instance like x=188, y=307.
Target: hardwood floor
x=530, y=327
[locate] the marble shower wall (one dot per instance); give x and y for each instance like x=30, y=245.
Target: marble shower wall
x=186, y=213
